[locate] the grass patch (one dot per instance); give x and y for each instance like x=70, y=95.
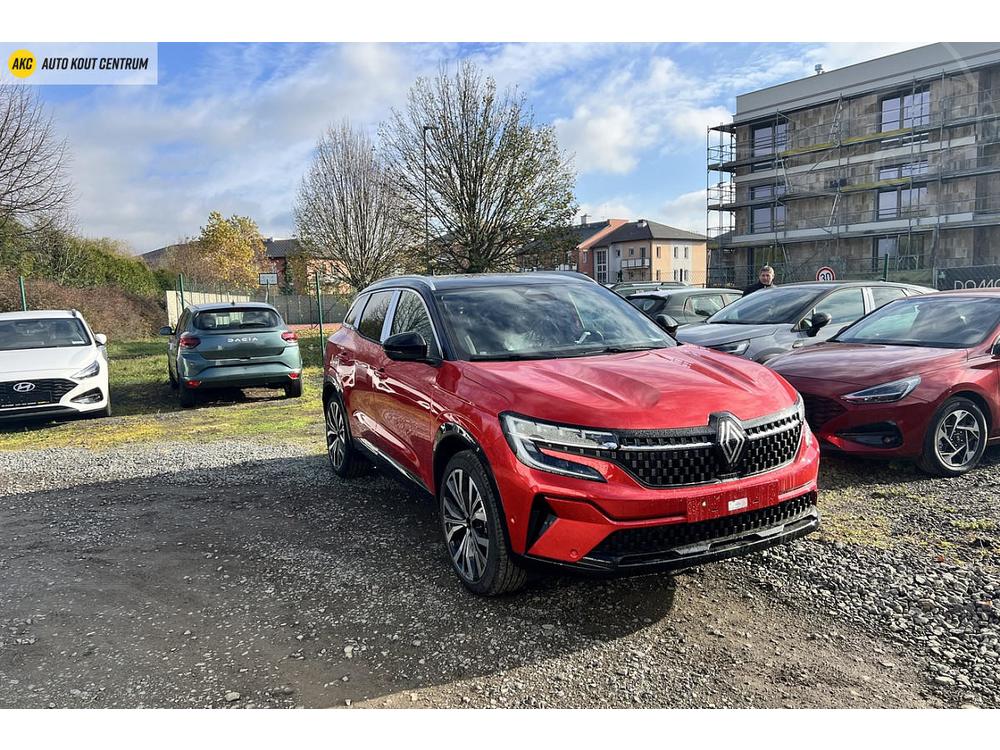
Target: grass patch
x=147, y=409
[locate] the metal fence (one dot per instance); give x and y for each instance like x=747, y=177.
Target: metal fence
x=905, y=268
x=296, y=309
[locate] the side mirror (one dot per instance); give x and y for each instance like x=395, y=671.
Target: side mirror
x=406, y=347
x=101, y=339
x=667, y=323
x=819, y=320
x=166, y=331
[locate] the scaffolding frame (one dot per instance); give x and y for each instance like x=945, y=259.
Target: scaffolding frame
x=732, y=159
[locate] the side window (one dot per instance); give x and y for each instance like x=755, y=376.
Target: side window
x=843, y=306
x=373, y=317
x=351, y=319
x=182, y=322
x=411, y=315
x=703, y=305
x=883, y=295
x=731, y=298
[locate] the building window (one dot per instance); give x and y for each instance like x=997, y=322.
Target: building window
x=642, y=252
x=769, y=139
x=675, y=275
x=677, y=251
x=898, y=202
x=905, y=251
x=601, y=265
x=687, y=275
x=906, y=111
x=767, y=191
x=767, y=218
x=899, y=171
x=618, y=252
x=657, y=251
x=657, y=275
x=631, y=251
x=687, y=253
x=584, y=256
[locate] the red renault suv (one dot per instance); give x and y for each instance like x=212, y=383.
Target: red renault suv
x=555, y=423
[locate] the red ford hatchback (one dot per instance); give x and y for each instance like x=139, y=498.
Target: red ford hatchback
x=556, y=423
x=918, y=379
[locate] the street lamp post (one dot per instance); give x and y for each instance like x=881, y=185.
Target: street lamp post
x=427, y=214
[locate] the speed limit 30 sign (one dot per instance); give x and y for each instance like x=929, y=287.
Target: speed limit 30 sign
x=826, y=274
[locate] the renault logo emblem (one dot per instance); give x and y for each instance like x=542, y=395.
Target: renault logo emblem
x=731, y=437
x=24, y=387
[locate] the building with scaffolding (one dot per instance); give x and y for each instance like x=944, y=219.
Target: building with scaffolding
x=888, y=167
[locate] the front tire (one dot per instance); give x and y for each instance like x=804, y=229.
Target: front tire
x=345, y=460
x=474, y=528
x=956, y=438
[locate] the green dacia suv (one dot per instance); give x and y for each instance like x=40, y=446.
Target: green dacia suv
x=232, y=345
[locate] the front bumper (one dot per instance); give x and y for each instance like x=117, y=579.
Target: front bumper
x=67, y=403
x=893, y=430
x=589, y=525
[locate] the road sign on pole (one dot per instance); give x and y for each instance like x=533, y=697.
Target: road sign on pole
x=826, y=274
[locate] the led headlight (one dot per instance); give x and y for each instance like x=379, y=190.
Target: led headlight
x=734, y=347
x=89, y=371
x=885, y=393
x=526, y=438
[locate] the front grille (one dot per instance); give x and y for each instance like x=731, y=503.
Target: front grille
x=673, y=458
x=653, y=540
x=45, y=391
x=820, y=410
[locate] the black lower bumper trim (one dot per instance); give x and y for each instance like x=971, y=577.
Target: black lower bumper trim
x=47, y=412
x=703, y=552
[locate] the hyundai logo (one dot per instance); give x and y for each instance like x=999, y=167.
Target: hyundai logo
x=731, y=438
x=24, y=387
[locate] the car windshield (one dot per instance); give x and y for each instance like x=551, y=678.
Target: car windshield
x=236, y=319
x=531, y=321
x=42, y=333
x=768, y=306
x=938, y=322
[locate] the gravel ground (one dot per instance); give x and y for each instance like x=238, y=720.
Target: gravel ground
x=241, y=573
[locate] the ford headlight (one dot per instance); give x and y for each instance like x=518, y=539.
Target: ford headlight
x=527, y=438
x=738, y=348
x=885, y=393
x=89, y=371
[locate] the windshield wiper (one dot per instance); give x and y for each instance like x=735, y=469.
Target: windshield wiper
x=622, y=349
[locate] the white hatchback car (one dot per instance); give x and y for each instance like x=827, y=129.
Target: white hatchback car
x=52, y=365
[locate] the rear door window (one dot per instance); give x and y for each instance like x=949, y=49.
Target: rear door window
x=703, y=305
x=351, y=319
x=373, y=318
x=883, y=295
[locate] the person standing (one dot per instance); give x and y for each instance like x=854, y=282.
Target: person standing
x=766, y=281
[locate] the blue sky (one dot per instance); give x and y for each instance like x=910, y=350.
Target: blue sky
x=231, y=127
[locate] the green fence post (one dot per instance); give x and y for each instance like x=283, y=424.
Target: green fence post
x=319, y=305
x=180, y=287
x=885, y=267
x=24, y=297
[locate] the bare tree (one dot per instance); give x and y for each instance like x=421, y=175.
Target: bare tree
x=34, y=188
x=348, y=210
x=496, y=181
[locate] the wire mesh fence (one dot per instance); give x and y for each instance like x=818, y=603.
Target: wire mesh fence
x=320, y=307
x=904, y=269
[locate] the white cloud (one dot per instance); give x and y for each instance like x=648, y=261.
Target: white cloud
x=150, y=163
x=612, y=208
x=686, y=211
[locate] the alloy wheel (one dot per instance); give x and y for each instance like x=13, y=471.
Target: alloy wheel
x=336, y=433
x=466, y=528
x=957, y=439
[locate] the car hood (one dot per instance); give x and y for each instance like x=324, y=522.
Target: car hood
x=44, y=362
x=862, y=364
x=714, y=334
x=661, y=388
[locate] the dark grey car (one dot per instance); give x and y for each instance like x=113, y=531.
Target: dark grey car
x=773, y=321
x=682, y=305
